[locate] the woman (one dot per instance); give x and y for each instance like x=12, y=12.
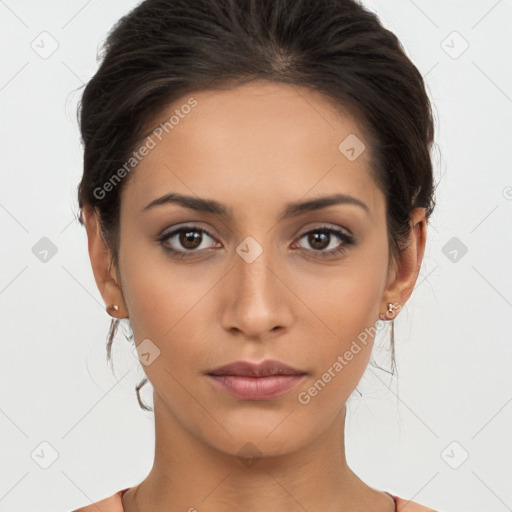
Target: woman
x=256, y=190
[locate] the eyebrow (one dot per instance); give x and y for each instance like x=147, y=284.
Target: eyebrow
x=291, y=209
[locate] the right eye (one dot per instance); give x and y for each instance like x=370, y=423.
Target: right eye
x=189, y=238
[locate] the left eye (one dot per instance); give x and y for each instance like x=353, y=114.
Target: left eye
x=318, y=237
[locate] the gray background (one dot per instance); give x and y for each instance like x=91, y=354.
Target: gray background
x=439, y=435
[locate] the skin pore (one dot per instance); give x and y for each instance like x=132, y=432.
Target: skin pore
x=255, y=148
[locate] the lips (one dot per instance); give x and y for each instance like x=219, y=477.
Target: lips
x=256, y=388
x=247, y=369
x=249, y=381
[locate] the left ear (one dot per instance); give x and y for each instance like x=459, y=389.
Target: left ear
x=407, y=266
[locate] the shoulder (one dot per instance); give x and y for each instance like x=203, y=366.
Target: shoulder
x=114, y=504
x=111, y=504
x=410, y=506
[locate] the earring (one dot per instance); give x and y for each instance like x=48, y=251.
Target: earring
x=113, y=307
x=391, y=308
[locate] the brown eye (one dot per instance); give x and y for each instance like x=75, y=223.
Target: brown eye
x=321, y=238
x=187, y=239
x=190, y=239
x=318, y=239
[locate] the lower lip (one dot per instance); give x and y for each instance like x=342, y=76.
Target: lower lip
x=256, y=388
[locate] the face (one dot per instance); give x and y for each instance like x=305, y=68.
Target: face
x=263, y=280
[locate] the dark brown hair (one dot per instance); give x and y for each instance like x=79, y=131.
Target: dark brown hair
x=165, y=49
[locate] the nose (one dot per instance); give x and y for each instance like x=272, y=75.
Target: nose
x=257, y=299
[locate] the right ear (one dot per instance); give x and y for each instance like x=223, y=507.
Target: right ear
x=101, y=256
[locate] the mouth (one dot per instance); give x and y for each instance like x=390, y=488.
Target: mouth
x=256, y=388
x=250, y=381
x=266, y=368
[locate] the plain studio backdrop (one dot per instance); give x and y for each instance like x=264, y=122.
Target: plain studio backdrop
x=439, y=434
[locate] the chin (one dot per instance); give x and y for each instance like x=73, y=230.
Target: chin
x=261, y=439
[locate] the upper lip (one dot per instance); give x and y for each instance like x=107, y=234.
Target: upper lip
x=263, y=369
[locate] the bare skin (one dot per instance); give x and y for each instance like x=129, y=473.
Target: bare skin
x=254, y=148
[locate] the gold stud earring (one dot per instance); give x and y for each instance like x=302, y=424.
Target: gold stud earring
x=114, y=307
x=391, y=308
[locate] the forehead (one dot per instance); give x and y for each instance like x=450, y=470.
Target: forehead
x=263, y=142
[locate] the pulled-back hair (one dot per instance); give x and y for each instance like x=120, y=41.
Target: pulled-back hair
x=164, y=50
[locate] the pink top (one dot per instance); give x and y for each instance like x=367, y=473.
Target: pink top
x=114, y=504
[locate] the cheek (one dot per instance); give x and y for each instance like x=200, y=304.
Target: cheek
x=168, y=305
x=158, y=294
x=342, y=301
x=339, y=348
x=341, y=320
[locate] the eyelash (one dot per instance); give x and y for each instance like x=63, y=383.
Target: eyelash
x=344, y=237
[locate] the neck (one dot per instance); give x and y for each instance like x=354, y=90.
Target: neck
x=189, y=474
